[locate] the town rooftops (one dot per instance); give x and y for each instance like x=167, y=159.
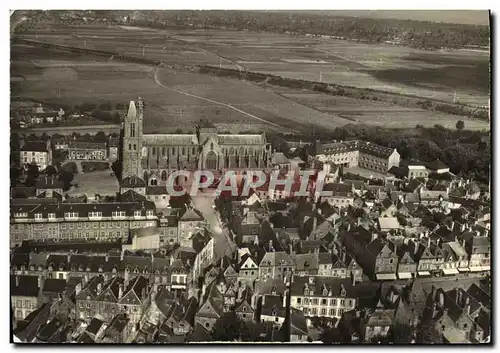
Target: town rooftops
x=156, y=190
x=24, y=286
x=106, y=209
x=323, y=287
x=279, y=158
x=436, y=165
x=355, y=145
x=35, y=146
x=48, y=182
x=132, y=182
x=114, y=142
x=191, y=215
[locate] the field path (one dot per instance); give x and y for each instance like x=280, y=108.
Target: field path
x=344, y=58
x=157, y=80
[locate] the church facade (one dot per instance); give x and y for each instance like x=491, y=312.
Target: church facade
x=153, y=157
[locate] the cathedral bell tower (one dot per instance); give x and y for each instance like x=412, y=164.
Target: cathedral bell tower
x=132, y=140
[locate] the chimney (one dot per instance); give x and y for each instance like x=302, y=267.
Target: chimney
x=462, y=227
x=315, y=222
x=120, y=291
x=17, y=281
x=263, y=300
x=343, y=255
x=349, y=227
x=290, y=246
x=467, y=308
x=353, y=280
x=463, y=243
x=107, y=257
x=428, y=242
x=69, y=257
x=99, y=288
x=121, y=255
x=415, y=248
x=271, y=246
x=452, y=225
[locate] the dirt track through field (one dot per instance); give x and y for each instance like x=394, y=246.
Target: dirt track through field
x=157, y=80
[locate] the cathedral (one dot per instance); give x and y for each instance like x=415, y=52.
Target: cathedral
x=154, y=157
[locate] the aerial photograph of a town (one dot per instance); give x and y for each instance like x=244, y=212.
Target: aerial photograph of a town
x=250, y=176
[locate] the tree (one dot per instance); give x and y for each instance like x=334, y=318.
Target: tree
x=330, y=335
x=15, y=173
x=227, y=328
x=50, y=170
x=427, y=334
x=33, y=173
x=401, y=334
x=66, y=177
x=460, y=125
x=100, y=136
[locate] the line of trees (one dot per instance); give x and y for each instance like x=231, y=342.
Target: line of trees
x=415, y=34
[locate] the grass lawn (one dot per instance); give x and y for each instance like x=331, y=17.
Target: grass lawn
x=70, y=167
x=94, y=166
x=99, y=182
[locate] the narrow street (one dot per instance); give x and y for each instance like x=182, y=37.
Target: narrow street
x=223, y=243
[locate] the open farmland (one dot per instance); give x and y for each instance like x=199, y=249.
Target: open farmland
x=70, y=79
x=459, y=75
x=376, y=113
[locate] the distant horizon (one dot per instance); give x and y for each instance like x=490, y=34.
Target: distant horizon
x=466, y=17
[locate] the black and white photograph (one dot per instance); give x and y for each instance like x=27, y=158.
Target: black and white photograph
x=250, y=177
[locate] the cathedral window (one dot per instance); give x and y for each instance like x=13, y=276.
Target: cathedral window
x=183, y=151
x=194, y=150
x=163, y=151
x=153, y=151
x=173, y=151
x=132, y=130
x=212, y=146
x=135, y=147
x=130, y=146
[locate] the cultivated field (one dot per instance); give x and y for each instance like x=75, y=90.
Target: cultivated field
x=459, y=75
x=175, y=100
x=377, y=113
x=178, y=100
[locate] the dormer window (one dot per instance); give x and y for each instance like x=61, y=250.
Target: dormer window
x=88, y=269
x=95, y=214
x=32, y=268
x=52, y=216
x=100, y=269
x=71, y=215
x=136, y=271
x=38, y=216
x=118, y=214
x=306, y=291
x=343, y=293
x=274, y=312
x=137, y=213
x=149, y=213
x=113, y=270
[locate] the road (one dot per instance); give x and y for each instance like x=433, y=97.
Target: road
x=223, y=243
x=158, y=82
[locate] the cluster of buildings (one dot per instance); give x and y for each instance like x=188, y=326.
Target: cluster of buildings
x=40, y=153
x=410, y=249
